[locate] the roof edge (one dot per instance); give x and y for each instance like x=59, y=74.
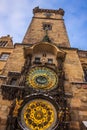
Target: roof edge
x=59, y=11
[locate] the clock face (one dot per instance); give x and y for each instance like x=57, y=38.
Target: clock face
x=38, y=114
x=42, y=78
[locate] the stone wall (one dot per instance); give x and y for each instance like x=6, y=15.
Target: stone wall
x=15, y=61
x=72, y=66
x=35, y=32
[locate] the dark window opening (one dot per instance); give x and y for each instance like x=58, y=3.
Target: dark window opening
x=50, y=60
x=37, y=59
x=47, y=27
x=13, y=81
x=85, y=74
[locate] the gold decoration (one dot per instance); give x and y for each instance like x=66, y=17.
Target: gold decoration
x=42, y=78
x=38, y=114
x=64, y=115
x=17, y=106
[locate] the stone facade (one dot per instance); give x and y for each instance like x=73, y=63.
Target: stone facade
x=57, y=34
x=45, y=44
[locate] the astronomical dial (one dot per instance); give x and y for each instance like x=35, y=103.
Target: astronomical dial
x=38, y=114
x=42, y=78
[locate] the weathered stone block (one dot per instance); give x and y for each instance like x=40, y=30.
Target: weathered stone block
x=74, y=125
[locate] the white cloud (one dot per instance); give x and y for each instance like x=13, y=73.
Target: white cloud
x=13, y=15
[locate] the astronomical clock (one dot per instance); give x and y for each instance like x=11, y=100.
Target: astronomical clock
x=39, y=100
x=42, y=78
x=39, y=111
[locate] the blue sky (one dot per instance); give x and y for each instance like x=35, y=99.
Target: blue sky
x=15, y=16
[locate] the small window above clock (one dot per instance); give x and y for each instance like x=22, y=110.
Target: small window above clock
x=37, y=59
x=47, y=26
x=50, y=61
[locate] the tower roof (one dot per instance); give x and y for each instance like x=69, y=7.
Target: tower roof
x=59, y=11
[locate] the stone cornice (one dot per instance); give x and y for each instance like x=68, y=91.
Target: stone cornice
x=48, y=18
x=68, y=48
x=79, y=83
x=6, y=47
x=37, y=9
x=2, y=76
x=83, y=51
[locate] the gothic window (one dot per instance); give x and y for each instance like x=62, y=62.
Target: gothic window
x=4, y=56
x=50, y=60
x=3, y=43
x=47, y=27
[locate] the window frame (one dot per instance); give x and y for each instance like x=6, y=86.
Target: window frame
x=37, y=59
x=4, y=56
x=47, y=26
x=50, y=60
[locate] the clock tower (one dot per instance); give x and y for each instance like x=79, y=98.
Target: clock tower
x=41, y=102
x=50, y=21
x=43, y=79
